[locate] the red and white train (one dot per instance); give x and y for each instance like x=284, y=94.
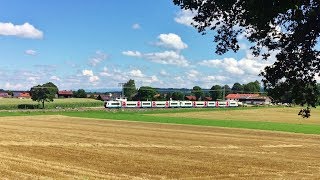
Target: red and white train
x=123, y=103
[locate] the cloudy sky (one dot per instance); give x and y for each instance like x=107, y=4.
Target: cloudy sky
x=99, y=43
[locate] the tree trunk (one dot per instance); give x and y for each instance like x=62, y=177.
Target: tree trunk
x=42, y=104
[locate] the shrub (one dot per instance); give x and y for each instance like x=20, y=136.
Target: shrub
x=28, y=106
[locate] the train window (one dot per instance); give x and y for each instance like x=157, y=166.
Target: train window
x=115, y=104
x=131, y=104
x=174, y=103
x=146, y=104
x=187, y=103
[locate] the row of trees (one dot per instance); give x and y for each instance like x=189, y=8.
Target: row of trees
x=216, y=92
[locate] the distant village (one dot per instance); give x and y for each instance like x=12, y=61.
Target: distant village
x=246, y=98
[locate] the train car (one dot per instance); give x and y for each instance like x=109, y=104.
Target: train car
x=186, y=104
x=146, y=104
x=213, y=104
x=112, y=104
x=160, y=104
x=174, y=104
x=233, y=104
x=200, y=104
x=131, y=104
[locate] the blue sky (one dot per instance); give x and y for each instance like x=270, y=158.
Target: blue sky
x=100, y=43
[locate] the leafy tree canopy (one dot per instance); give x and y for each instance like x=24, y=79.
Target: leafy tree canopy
x=216, y=92
x=80, y=93
x=227, y=89
x=177, y=96
x=44, y=93
x=146, y=93
x=129, y=89
x=197, y=91
x=288, y=28
x=237, y=88
x=252, y=87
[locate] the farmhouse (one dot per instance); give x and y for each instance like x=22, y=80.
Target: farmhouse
x=190, y=98
x=4, y=95
x=249, y=98
x=21, y=95
x=65, y=94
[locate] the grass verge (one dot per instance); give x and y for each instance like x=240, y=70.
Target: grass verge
x=140, y=117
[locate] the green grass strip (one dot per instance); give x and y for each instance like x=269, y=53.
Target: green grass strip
x=272, y=126
x=141, y=117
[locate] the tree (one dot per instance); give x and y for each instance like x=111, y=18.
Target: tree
x=216, y=92
x=288, y=29
x=237, y=88
x=318, y=103
x=178, y=96
x=168, y=96
x=129, y=89
x=252, y=87
x=52, y=88
x=197, y=91
x=80, y=93
x=227, y=90
x=146, y=93
x=43, y=93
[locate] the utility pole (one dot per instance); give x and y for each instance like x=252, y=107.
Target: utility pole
x=121, y=85
x=224, y=92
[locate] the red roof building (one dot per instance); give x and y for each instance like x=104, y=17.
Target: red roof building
x=237, y=97
x=249, y=98
x=65, y=94
x=21, y=95
x=190, y=98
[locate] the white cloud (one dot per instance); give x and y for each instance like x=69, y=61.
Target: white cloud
x=136, y=26
x=132, y=53
x=105, y=72
x=25, y=30
x=167, y=57
x=185, y=17
x=55, y=78
x=93, y=78
x=87, y=72
x=97, y=58
x=163, y=73
x=151, y=79
x=18, y=86
x=30, y=52
x=172, y=41
x=234, y=67
x=136, y=73
x=192, y=74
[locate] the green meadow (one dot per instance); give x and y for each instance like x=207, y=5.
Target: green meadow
x=12, y=103
x=241, y=118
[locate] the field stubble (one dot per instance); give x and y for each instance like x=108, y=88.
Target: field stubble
x=66, y=147
x=278, y=114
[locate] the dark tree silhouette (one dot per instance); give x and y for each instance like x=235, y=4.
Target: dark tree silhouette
x=289, y=28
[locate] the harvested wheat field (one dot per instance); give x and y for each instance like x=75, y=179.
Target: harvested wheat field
x=281, y=115
x=64, y=147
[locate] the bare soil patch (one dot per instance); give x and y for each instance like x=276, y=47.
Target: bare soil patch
x=63, y=147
